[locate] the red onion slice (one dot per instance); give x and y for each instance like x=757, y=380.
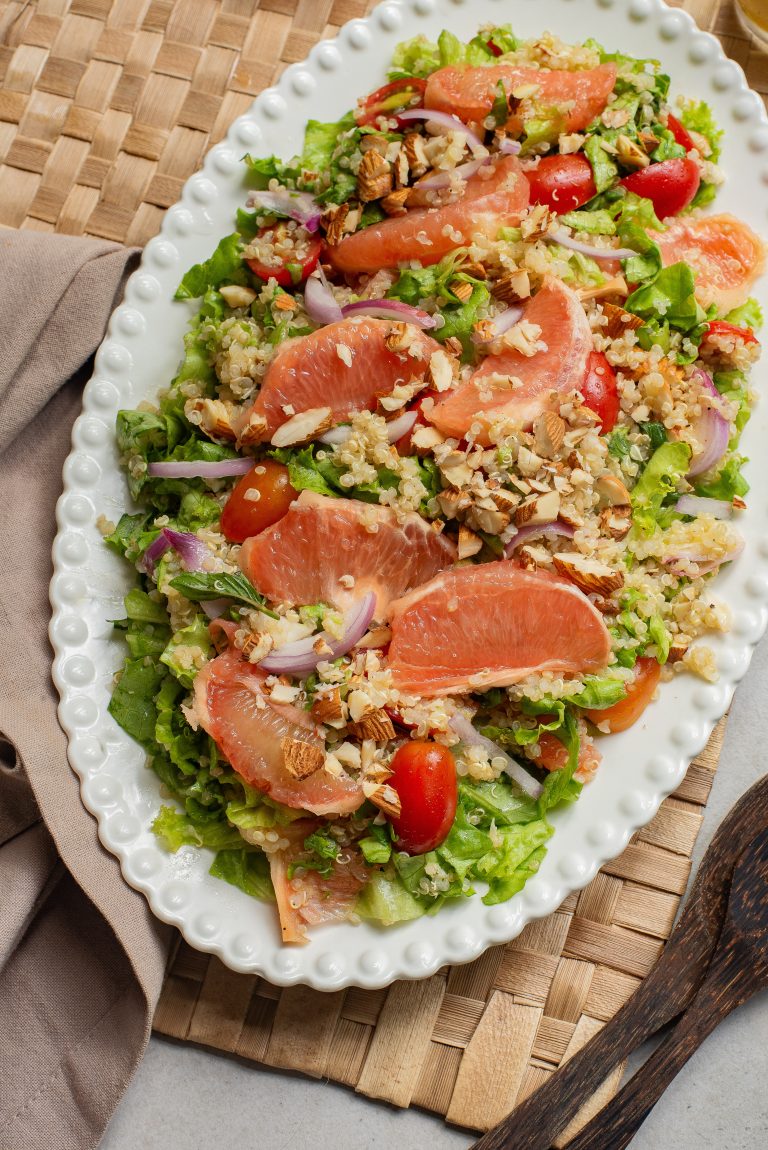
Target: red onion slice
x=319, y=301
x=390, y=309
x=191, y=549
x=472, y=738
x=443, y=179
x=711, y=429
x=699, y=505
x=156, y=549
x=530, y=530
x=199, y=469
x=299, y=206
x=705, y=564
x=501, y=323
x=396, y=429
x=300, y=658
x=560, y=236
x=445, y=120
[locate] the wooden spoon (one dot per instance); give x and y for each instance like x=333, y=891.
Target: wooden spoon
x=662, y=996
x=738, y=970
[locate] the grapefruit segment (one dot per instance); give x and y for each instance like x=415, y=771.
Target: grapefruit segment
x=302, y=558
x=470, y=92
x=489, y=626
x=725, y=254
x=307, y=898
x=233, y=707
x=345, y=366
x=495, y=196
x=517, y=386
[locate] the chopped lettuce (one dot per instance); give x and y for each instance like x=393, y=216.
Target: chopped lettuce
x=605, y=171
x=459, y=321
x=598, y=692
x=385, y=900
x=597, y=222
x=659, y=635
x=226, y=264
x=132, y=704
x=195, y=635
x=733, y=385
x=749, y=314
x=668, y=464
x=176, y=829
x=420, y=56
x=697, y=116
x=436, y=282
x=376, y=846
x=246, y=869
x=727, y=483
x=415, y=57
x=308, y=472
x=668, y=301
x=172, y=731
x=618, y=443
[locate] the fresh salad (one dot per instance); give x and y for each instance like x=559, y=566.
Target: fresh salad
x=434, y=501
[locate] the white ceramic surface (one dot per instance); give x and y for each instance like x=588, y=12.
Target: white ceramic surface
x=140, y=354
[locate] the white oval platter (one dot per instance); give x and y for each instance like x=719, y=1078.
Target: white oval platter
x=140, y=354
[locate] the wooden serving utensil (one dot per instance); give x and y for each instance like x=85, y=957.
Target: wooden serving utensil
x=739, y=969
x=662, y=996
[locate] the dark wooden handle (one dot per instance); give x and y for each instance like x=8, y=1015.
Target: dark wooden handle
x=536, y=1122
x=730, y=982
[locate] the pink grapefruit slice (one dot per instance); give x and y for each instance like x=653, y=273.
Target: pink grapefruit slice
x=725, y=254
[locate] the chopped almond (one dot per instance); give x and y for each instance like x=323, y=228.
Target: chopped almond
x=334, y=219
x=327, y=708
x=303, y=427
x=394, y=204
x=212, y=416
x=616, y=521
x=441, y=370
x=385, y=797
x=417, y=157
x=589, y=575
x=538, y=509
x=619, y=321
x=301, y=759
x=513, y=287
x=611, y=492
x=237, y=296
x=376, y=725
x=461, y=289
x=548, y=434
x=253, y=430
x=469, y=543
x=374, y=177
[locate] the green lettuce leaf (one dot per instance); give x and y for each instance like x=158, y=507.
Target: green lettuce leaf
x=517, y=858
x=668, y=464
x=598, y=692
x=194, y=635
x=697, y=116
x=749, y=314
x=659, y=635
x=226, y=264
x=246, y=869
x=415, y=57
x=376, y=847
x=727, y=483
x=132, y=704
x=669, y=298
x=385, y=900
x=605, y=171
x=176, y=829
x=183, y=746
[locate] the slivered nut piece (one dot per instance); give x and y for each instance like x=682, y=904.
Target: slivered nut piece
x=441, y=369
x=676, y=652
x=377, y=637
x=301, y=759
x=401, y=169
x=399, y=337
x=453, y=345
x=327, y=708
x=512, y=287
x=212, y=416
x=469, y=543
x=533, y=556
x=619, y=321
x=491, y=522
x=417, y=157
x=237, y=296
x=615, y=286
x=334, y=219
x=589, y=575
x=374, y=177
x=359, y=705
x=475, y=269
x=648, y=141
x=374, y=143
x=505, y=500
x=303, y=426
x=538, y=509
x=394, y=204
x=384, y=796
x=611, y=492
x=605, y=606
x=461, y=289
x=452, y=502
x=631, y=154
x=425, y=438
x=377, y=726
x=548, y=434
x=616, y=521
x=254, y=430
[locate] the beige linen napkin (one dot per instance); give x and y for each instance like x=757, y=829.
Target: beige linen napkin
x=81, y=957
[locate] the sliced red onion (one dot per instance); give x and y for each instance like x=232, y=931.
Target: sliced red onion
x=299, y=206
x=509, y=147
x=560, y=236
x=390, y=309
x=443, y=179
x=501, y=323
x=531, y=530
x=711, y=429
x=699, y=505
x=156, y=549
x=191, y=549
x=706, y=565
x=319, y=301
x=300, y=658
x=199, y=469
x=396, y=429
x=472, y=738
x=445, y=120
x=215, y=607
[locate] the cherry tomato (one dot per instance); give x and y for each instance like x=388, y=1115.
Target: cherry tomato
x=407, y=92
x=563, y=183
x=494, y=49
x=721, y=327
x=288, y=273
x=639, y=693
x=600, y=390
x=670, y=185
x=424, y=776
x=681, y=134
x=258, y=499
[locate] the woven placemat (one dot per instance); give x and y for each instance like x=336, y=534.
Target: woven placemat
x=106, y=108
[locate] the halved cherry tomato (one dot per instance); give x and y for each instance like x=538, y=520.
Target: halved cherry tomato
x=408, y=92
x=287, y=272
x=424, y=776
x=681, y=134
x=600, y=390
x=670, y=185
x=563, y=183
x=494, y=49
x=639, y=693
x=258, y=500
x=722, y=327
